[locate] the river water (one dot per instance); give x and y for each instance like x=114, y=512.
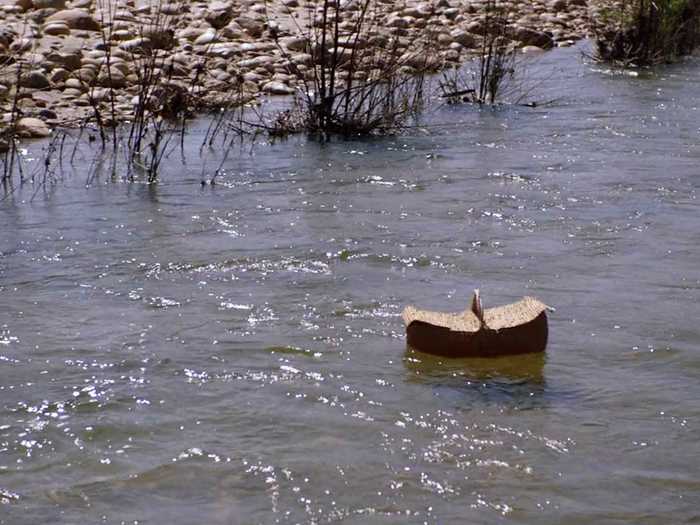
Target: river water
x=234, y=354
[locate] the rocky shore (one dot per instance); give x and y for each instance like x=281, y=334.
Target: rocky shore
x=67, y=56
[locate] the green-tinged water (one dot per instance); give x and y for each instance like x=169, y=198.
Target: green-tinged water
x=233, y=354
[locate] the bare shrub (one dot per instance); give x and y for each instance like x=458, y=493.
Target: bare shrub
x=359, y=80
x=11, y=71
x=161, y=105
x=491, y=77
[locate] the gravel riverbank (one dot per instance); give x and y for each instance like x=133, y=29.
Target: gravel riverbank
x=75, y=55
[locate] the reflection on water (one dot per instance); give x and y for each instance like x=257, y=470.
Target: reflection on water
x=235, y=354
x=528, y=368
x=516, y=381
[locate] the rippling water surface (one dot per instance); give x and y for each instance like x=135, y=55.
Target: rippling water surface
x=234, y=354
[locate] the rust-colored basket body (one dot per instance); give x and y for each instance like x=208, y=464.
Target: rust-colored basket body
x=527, y=338
x=517, y=328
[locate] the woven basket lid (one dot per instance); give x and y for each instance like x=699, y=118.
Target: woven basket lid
x=508, y=316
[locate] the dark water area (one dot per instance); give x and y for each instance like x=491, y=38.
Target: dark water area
x=234, y=354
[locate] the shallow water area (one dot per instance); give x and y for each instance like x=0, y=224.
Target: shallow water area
x=234, y=354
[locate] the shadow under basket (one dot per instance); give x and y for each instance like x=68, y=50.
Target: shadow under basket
x=518, y=328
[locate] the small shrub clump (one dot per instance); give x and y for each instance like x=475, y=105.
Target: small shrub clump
x=645, y=32
x=491, y=76
x=358, y=80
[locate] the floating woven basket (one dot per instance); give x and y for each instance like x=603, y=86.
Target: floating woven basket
x=517, y=328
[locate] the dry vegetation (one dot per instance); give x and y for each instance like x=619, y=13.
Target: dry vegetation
x=357, y=81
